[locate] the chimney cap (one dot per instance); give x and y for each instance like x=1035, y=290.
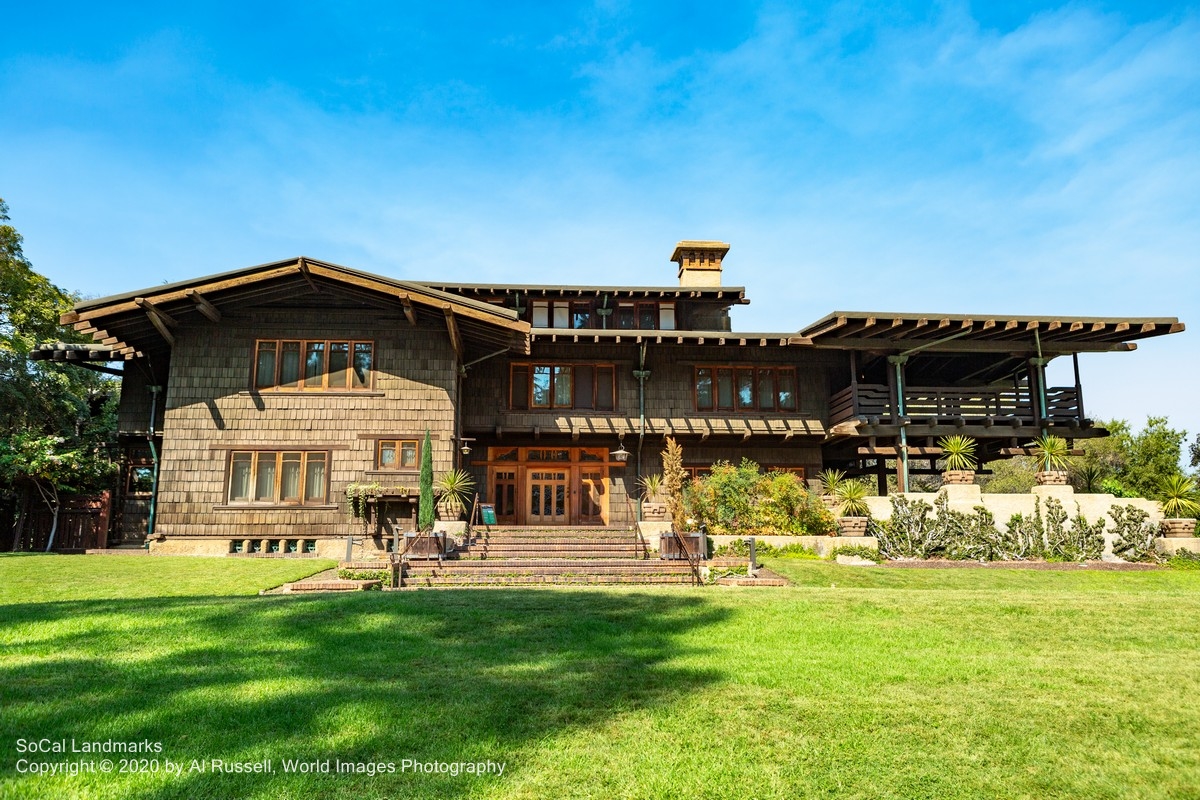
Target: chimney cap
x=719, y=248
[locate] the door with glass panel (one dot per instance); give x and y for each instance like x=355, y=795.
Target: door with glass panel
x=592, y=503
x=549, y=497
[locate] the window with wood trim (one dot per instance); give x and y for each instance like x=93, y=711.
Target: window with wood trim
x=313, y=364
x=279, y=477
x=578, y=386
x=746, y=388
x=397, y=454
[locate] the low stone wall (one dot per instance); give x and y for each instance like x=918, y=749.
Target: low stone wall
x=823, y=545
x=1003, y=506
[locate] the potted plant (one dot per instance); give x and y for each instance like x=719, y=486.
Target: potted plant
x=959, y=454
x=1050, y=454
x=855, y=513
x=454, y=493
x=652, y=506
x=359, y=495
x=1179, y=506
x=831, y=481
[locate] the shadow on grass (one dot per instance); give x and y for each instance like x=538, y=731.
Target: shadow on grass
x=446, y=676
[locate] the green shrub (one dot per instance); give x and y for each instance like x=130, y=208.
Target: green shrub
x=1134, y=534
x=860, y=550
x=737, y=570
x=384, y=575
x=740, y=548
x=910, y=533
x=1184, y=559
x=741, y=501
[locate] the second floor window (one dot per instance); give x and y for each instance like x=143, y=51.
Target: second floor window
x=312, y=364
x=745, y=388
x=397, y=454
x=583, y=386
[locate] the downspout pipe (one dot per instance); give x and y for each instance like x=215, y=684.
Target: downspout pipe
x=1040, y=363
x=898, y=363
x=154, y=390
x=641, y=373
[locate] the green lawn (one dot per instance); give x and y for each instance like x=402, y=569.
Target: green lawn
x=856, y=682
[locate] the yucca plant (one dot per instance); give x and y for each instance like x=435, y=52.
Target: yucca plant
x=1178, y=497
x=853, y=496
x=958, y=452
x=1050, y=453
x=651, y=486
x=831, y=479
x=1088, y=478
x=455, y=487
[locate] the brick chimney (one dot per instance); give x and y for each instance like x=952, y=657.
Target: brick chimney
x=699, y=262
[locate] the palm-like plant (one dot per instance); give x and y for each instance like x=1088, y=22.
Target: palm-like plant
x=651, y=485
x=959, y=452
x=1088, y=478
x=1050, y=453
x=1178, y=497
x=831, y=479
x=455, y=487
x=853, y=496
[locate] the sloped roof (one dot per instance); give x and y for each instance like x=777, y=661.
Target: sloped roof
x=1059, y=333
x=141, y=321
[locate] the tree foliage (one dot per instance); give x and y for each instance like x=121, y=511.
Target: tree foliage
x=425, y=511
x=57, y=422
x=1133, y=464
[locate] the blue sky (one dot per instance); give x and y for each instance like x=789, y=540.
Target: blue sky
x=948, y=157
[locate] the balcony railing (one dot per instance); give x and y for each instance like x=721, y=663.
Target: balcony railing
x=951, y=404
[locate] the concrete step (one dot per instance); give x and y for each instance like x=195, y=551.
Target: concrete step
x=448, y=581
x=334, y=585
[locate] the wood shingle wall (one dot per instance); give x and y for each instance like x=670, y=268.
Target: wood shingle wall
x=211, y=412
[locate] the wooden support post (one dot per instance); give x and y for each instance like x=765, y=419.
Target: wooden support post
x=1079, y=415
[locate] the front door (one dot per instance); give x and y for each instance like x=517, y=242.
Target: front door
x=549, y=497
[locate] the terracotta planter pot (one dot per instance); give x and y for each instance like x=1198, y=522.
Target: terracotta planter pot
x=1058, y=477
x=654, y=512
x=958, y=477
x=1178, y=528
x=852, y=526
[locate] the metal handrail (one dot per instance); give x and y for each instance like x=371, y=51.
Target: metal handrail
x=687, y=552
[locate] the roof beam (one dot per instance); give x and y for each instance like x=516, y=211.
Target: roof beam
x=452, y=327
x=409, y=312
x=161, y=320
x=985, y=346
x=205, y=306
x=302, y=265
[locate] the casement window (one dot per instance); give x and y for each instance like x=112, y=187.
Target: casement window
x=286, y=477
x=397, y=454
x=737, y=388
x=645, y=316
x=548, y=314
x=582, y=386
x=312, y=364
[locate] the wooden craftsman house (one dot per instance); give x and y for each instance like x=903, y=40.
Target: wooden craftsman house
x=261, y=393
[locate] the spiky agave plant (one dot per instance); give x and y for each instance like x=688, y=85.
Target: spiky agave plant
x=831, y=479
x=853, y=496
x=959, y=452
x=1050, y=453
x=1178, y=497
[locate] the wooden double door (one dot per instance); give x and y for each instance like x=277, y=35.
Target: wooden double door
x=549, y=486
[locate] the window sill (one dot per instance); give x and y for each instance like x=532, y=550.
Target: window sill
x=313, y=393
x=273, y=507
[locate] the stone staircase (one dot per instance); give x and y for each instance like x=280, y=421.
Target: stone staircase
x=532, y=556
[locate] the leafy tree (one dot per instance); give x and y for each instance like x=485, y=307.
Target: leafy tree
x=56, y=421
x=1010, y=476
x=1194, y=452
x=673, y=479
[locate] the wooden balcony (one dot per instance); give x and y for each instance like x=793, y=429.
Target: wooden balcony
x=956, y=405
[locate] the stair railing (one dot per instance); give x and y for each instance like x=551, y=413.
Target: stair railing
x=639, y=542
x=692, y=559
